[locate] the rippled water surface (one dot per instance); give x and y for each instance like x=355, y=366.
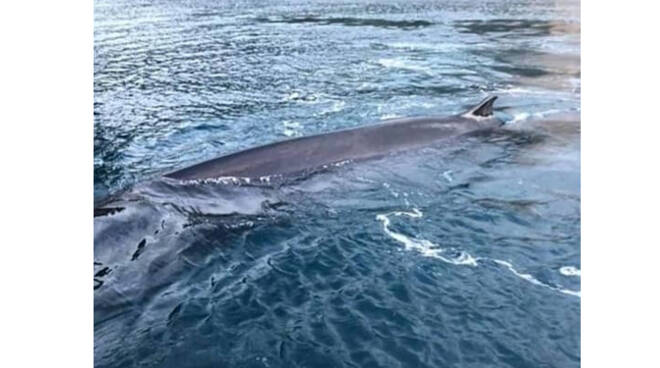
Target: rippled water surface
x=454, y=255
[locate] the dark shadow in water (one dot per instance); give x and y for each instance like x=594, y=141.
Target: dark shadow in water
x=524, y=71
x=139, y=249
x=534, y=67
x=416, y=90
x=352, y=22
x=527, y=27
x=104, y=211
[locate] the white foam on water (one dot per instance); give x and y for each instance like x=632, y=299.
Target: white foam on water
x=423, y=246
x=447, y=175
x=524, y=276
x=535, y=281
x=521, y=91
x=570, y=271
x=426, y=46
x=291, y=128
x=522, y=116
x=306, y=98
x=337, y=106
x=292, y=96
x=430, y=249
x=389, y=116
x=403, y=64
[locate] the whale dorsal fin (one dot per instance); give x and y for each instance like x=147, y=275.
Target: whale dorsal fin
x=484, y=108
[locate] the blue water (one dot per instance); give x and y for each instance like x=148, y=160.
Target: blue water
x=450, y=256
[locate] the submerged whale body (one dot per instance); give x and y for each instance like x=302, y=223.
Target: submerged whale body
x=298, y=155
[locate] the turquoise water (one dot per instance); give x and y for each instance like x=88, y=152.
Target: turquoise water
x=454, y=255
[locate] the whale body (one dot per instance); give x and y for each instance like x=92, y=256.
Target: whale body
x=303, y=154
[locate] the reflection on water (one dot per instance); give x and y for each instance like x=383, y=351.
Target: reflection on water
x=452, y=255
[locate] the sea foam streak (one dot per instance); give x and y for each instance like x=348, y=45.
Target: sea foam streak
x=570, y=271
x=533, y=280
x=423, y=246
x=430, y=249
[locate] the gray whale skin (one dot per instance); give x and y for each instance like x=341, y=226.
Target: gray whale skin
x=302, y=154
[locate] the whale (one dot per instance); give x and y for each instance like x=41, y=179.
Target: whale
x=296, y=158
x=309, y=153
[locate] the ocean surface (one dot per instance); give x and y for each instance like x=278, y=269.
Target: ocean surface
x=455, y=255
